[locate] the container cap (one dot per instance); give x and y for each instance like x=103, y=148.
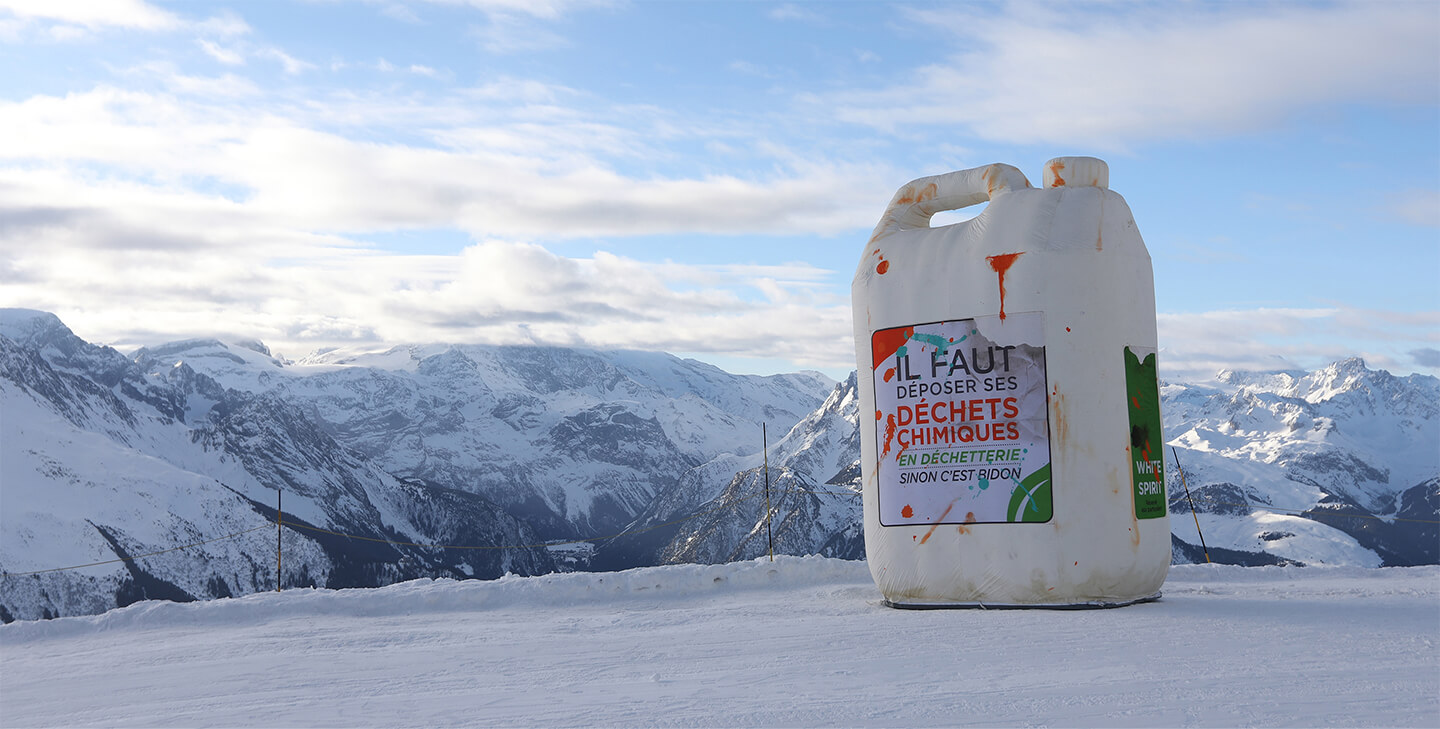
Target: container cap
x=1077, y=172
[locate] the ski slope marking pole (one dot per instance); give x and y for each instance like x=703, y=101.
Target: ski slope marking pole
x=765, y=448
x=1192, y=504
x=279, y=520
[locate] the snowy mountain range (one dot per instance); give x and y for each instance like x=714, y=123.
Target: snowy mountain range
x=533, y=459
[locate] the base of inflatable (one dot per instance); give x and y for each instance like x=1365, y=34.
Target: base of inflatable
x=1012, y=606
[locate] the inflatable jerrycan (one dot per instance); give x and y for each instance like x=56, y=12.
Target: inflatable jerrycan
x=1010, y=416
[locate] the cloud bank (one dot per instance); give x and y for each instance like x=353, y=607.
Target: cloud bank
x=236, y=190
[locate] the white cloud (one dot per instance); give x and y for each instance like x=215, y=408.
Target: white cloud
x=1194, y=346
x=792, y=11
x=225, y=25
x=506, y=33
x=291, y=64
x=1417, y=207
x=751, y=69
x=548, y=9
x=223, y=55
x=1108, y=75
x=400, y=12
x=514, y=26
x=140, y=217
x=94, y=14
x=211, y=263
x=507, y=177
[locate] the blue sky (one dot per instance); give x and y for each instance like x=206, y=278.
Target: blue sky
x=698, y=177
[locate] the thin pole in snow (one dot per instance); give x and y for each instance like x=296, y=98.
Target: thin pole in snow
x=1176, y=454
x=279, y=519
x=765, y=447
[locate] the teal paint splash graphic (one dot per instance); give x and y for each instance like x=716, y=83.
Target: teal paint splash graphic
x=935, y=340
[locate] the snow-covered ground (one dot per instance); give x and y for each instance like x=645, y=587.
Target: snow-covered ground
x=796, y=642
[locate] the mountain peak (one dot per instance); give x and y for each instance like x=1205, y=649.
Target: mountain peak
x=29, y=326
x=1349, y=366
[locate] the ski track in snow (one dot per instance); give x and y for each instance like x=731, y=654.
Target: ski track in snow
x=796, y=642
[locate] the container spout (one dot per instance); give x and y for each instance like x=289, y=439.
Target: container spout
x=1076, y=172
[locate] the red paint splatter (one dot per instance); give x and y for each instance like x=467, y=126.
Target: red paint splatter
x=1136, y=402
x=888, y=341
x=969, y=517
x=1000, y=264
x=889, y=374
x=882, y=267
x=1067, y=329
x=907, y=512
x=889, y=433
x=878, y=415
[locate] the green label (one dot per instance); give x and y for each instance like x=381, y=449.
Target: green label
x=1147, y=458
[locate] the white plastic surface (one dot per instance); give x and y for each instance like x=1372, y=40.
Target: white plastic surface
x=1060, y=272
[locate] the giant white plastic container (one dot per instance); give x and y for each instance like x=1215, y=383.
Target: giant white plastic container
x=1010, y=429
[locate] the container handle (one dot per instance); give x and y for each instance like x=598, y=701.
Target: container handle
x=918, y=201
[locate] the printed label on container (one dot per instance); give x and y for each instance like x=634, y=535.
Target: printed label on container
x=1147, y=454
x=962, y=421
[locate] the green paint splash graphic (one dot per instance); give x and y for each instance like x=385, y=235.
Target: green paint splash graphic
x=1032, y=499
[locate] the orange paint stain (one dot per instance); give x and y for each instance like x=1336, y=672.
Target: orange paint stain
x=909, y=196
x=1055, y=168
x=962, y=530
x=969, y=517
x=907, y=512
x=882, y=267
x=1000, y=264
x=890, y=374
x=879, y=415
x=1062, y=421
x=937, y=523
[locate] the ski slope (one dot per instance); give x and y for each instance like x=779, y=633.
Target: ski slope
x=797, y=642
